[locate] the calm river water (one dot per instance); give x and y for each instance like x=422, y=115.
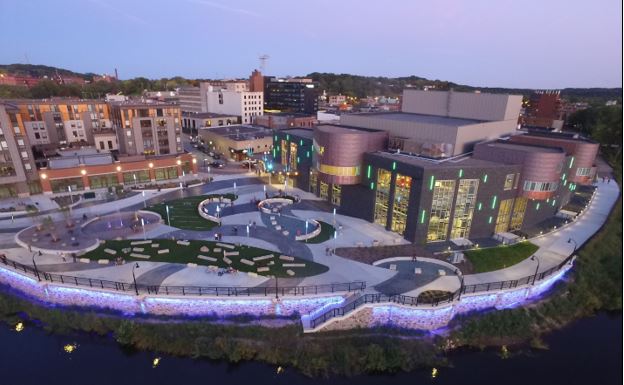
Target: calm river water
x=587, y=352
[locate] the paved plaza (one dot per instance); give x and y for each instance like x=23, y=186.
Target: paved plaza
x=243, y=224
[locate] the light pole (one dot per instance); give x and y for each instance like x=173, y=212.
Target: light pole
x=136, y=289
x=276, y=289
x=71, y=199
x=570, y=240
x=135, y=180
x=167, y=210
x=143, y=225
x=144, y=202
x=535, y=258
x=461, y=282
x=35, y=265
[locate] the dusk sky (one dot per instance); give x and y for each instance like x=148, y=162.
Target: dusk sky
x=507, y=43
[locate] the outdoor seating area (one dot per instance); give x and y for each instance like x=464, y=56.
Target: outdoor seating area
x=220, y=255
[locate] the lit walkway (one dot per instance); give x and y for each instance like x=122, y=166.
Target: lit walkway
x=554, y=246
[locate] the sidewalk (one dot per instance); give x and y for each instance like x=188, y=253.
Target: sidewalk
x=554, y=246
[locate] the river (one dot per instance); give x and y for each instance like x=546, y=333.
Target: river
x=587, y=352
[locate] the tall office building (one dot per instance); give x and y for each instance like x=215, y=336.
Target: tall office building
x=291, y=95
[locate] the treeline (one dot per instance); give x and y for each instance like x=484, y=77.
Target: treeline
x=604, y=125
x=49, y=88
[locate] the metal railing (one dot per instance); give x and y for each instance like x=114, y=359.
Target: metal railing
x=184, y=290
x=415, y=301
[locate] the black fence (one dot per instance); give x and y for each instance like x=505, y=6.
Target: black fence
x=414, y=301
x=185, y=290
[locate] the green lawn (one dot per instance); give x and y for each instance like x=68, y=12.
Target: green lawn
x=500, y=257
x=183, y=212
x=327, y=233
x=185, y=254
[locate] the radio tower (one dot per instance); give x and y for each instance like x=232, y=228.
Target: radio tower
x=263, y=59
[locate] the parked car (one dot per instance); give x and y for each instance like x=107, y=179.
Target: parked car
x=216, y=164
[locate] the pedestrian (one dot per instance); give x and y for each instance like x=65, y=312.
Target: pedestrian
x=327, y=251
x=414, y=258
x=608, y=179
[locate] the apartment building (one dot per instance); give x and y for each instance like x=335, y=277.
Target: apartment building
x=18, y=174
x=147, y=128
x=232, y=101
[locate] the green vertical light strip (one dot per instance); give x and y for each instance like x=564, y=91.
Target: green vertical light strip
x=494, y=201
x=563, y=176
x=485, y=178
x=274, y=153
x=393, y=165
x=553, y=202
x=479, y=206
x=307, y=154
x=276, y=138
x=368, y=171
x=287, y=137
x=490, y=219
x=372, y=185
x=301, y=142
x=537, y=206
x=423, y=213
x=461, y=172
x=298, y=160
x=565, y=182
x=571, y=162
x=431, y=181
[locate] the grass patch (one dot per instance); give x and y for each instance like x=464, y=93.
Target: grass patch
x=327, y=233
x=185, y=254
x=183, y=212
x=500, y=257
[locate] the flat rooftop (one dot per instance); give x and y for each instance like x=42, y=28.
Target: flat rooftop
x=300, y=132
x=239, y=132
x=345, y=128
x=424, y=162
x=206, y=115
x=524, y=147
x=420, y=118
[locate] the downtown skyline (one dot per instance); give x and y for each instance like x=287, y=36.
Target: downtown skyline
x=485, y=44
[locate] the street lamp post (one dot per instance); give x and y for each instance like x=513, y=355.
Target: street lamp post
x=71, y=199
x=143, y=225
x=135, y=180
x=535, y=258
x=461, y=282
x=570, y=240
x=35, y=265
x=144, y=202
x=136, y=289
x=276, y=289
x=167, y=210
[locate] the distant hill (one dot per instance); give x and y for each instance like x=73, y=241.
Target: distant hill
x=39, y=71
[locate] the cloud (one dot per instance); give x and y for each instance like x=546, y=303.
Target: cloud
x=120, y=12
x=225, y=7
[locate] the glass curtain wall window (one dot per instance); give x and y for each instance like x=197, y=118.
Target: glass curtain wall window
x=504, y=212
x=382, y=196
x=313, y=182
x=441, y=205
x=293, y=157
x=324, y=190
x=336, y=194
x=464, y=208
x=402, y=188
x=284, y=153
x=517, y=216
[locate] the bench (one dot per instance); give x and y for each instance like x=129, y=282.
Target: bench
x=286, y=258
x=231, y=253
x=138, y=249
x=191, y=264
x=110, y=251
x=252, y=274
x=263, y=257
x=204, y=249
x=247, y=262
x=441, y=272
x=183, y=243
x=290, y=272
x=163, y=251
x=227, y=260
x=216, y=250
x=103, y=261
x=226, y=245
x=207, y=258
x=393, y=267
x=278, y=227
x=84, y=260
x=285, y=232
x=155, y=245
x=133, y=243
x=263, y=269
x=293, y=264
x=142, y=256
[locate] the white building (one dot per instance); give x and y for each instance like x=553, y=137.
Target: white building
x=226, y=101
